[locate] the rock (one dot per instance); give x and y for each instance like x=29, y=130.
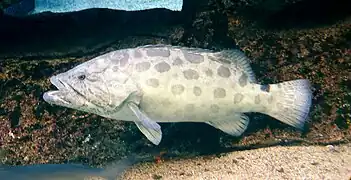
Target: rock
x=281, y=170
x=332, y=148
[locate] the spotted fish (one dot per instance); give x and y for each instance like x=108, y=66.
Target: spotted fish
x=164, y=83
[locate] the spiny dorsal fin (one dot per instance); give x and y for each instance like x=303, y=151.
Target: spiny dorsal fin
x=189, y=49
x=154, y=46
x=235, y=56
x=239, y=60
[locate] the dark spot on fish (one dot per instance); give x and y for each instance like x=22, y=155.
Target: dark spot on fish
x=177, y=89
x=243, y=80
x=191, y=74
x=153, y=82
x=158, y=52
x=177, y=61
x=223, y=71
x=238, y=97
x=193, y=58
x=142, y=66
x=119, y=57
x=197, y=91
x=162, y=67
x=219, y=93
x=257, y=99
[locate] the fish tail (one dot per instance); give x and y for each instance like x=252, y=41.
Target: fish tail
x=22, y=8
x=291, y=102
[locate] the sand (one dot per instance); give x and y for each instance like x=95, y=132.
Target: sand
x=279, y=162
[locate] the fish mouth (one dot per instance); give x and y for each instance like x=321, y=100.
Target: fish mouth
x=58, y=97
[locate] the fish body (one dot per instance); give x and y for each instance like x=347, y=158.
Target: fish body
x=164, y=83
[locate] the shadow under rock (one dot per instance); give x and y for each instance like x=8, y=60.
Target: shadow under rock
x=187, y=140
x=190, y=138
x=51, y=35
x=79, y=32
x=277, y=14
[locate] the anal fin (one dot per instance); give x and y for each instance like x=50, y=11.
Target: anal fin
x=233, y=125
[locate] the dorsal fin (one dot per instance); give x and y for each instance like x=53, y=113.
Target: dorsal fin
x=189, y=49
x=239, y=60
x=235, y=56
x=154, y=45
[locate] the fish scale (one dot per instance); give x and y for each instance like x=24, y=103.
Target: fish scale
x=207, y=84
x=164, y=83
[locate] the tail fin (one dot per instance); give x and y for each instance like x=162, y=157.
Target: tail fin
x=293, y=100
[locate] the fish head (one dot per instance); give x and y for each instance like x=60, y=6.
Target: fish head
x=91, y=87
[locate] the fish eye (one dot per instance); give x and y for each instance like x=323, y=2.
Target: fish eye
x=81, y=77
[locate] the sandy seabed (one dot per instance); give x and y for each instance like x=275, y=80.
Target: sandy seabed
x=279, y=162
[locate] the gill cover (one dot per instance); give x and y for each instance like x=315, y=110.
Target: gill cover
x=99, y=83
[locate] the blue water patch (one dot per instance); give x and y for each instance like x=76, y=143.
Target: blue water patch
x=112, y=170
x=27, y=7
x=48, y=171
x=22, y=8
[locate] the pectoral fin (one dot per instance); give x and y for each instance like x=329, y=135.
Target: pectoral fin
x=150, y=128
x=234, y=126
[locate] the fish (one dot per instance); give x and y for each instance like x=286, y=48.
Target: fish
x=160, y=83
x=31, y=7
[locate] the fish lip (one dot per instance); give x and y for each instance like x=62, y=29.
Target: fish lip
x=58, y=83
x=54, y=96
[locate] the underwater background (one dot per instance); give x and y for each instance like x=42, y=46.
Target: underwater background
x=285, y=40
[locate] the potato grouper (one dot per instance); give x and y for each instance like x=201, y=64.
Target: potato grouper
x=164, y=83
